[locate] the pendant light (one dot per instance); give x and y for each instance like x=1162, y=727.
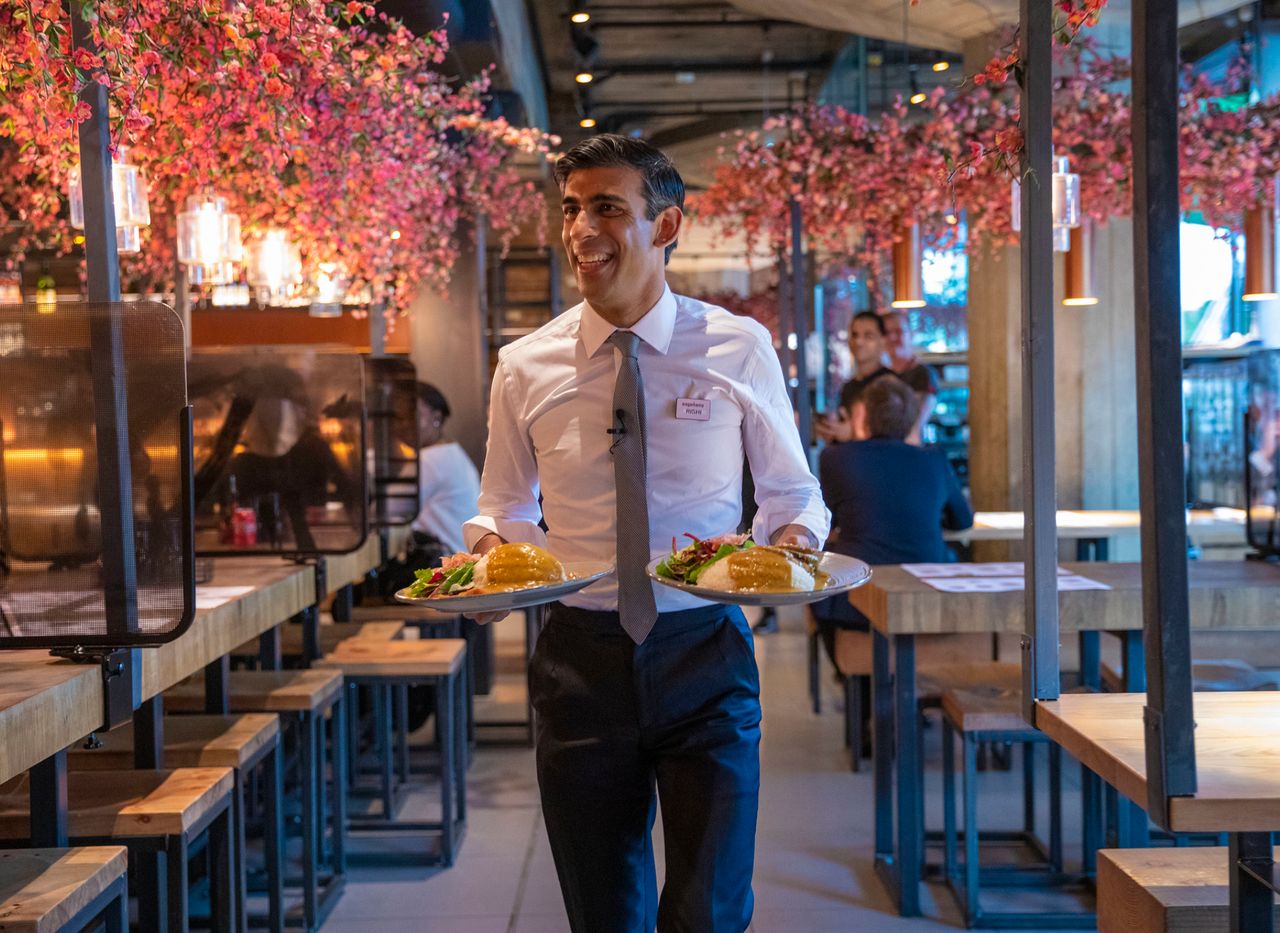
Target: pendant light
x=209, y=239
x=1078, y=289
x=1259, y=255
x=908, y=280
x=1065, y=206
x=129, y=197
x=275, y=267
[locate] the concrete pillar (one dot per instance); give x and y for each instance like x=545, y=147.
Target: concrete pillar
x=450, y=347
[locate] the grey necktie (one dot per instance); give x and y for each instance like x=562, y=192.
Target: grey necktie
x=635, y=593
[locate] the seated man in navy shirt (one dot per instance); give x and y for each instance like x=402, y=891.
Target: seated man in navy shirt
x=889, y=500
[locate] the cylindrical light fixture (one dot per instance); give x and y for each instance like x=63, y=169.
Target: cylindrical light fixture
x=908, y=280
x=1078, y=288
x=129, y=197
x=1259, y=254
x=275, y=266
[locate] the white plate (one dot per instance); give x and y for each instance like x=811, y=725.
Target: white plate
x=581, y=574
x=843, y=574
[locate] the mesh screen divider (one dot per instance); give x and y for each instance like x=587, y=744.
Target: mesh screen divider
x=70, y=381
x=281, y=462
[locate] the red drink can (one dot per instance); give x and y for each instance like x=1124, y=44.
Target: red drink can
x=244, y=527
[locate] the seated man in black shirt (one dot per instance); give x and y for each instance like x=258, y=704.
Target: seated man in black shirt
x=889, y=500
x=866, y=344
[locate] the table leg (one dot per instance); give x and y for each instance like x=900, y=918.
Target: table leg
x=1091, y=660
x=882, y=750
x=269, y=654
x=1252, y=882
x=910, y=793
x=49, y=802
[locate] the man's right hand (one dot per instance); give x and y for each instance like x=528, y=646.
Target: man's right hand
x=483, y=546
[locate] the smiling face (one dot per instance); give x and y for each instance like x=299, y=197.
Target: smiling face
x=615, y=251
x=866, y=343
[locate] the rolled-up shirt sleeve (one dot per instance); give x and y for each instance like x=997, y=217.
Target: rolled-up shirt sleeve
x=508, y=500
x=786, y=491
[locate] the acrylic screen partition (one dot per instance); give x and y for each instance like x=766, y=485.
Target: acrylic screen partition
x=66, y=504
x=280, y=463
x=391, y=401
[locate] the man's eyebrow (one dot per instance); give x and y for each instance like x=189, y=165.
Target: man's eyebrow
x=595, y=199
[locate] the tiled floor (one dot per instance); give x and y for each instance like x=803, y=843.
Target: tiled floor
x=813, y=867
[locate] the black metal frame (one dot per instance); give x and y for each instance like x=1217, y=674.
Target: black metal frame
x=1169, y=723
x=379, y=419
x=1040, y=675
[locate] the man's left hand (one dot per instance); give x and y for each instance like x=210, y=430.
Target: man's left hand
x=795, y=536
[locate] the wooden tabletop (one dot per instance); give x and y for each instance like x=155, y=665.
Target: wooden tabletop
x=47, y=704
x=341, y=569
x=1237, y=754
x=1205, y=526
x=1225, y=595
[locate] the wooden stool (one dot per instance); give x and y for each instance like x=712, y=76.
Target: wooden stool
x=304, y=700
x=994, y=714
x=244, y=744
x=48, y=890
x=152, y=813
x=1165, y=890
x=438, y=663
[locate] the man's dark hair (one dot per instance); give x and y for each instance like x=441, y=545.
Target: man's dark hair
x=892, y=408
x=663, y=186
x=433, y=398
x=869, y=316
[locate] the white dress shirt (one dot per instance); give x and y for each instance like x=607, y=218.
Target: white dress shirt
x=551, y=407
x=448, y=487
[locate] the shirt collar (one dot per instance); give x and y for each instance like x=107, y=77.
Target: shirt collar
x=655, y=328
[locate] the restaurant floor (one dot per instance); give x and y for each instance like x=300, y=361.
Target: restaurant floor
x=814, y=870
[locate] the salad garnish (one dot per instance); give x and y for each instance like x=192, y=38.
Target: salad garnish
x=687, y=564
x=454, y=575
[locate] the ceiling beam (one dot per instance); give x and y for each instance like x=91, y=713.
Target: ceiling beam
x=723, y=67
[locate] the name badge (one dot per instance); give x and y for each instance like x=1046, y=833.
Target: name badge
x=693, y=409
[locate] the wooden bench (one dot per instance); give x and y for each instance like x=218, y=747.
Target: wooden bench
x=1165, y=890
x=262, y=691
x=329, y=635
x=48, y=890
x=388, y=669
x=151, y=812
x=938, y=669
x=243, y=743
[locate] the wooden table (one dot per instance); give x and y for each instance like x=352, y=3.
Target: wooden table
x=47, y=704
x=1225, y=596
x=1237, y=754
x=1092, y=528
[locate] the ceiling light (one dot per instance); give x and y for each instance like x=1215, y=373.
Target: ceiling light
x=587, y=122
x=1259, y=255
x=941, y=66
x=917, y=96
x=582, y=16
x=951, y=219
x=875, y=59
x=584, y=77
x=908, y=258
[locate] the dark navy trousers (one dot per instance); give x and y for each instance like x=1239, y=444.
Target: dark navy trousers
x=679, y=714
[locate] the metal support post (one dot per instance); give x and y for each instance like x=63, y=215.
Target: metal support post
x=217, y=682
x=1170, y=743
x=1253, y=883
x=800, y=325
x=1040, y=675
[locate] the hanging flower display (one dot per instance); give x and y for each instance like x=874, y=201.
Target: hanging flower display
x=324, y=119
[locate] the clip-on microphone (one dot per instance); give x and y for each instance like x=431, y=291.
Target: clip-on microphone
x=618, y=432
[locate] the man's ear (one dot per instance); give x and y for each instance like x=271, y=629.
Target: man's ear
x=666, y=226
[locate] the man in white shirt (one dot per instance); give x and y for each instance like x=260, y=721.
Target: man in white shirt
x=630, y=415
x=448, y=483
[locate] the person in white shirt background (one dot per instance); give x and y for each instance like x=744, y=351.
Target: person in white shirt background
x=448, y=483
x=640, y=687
